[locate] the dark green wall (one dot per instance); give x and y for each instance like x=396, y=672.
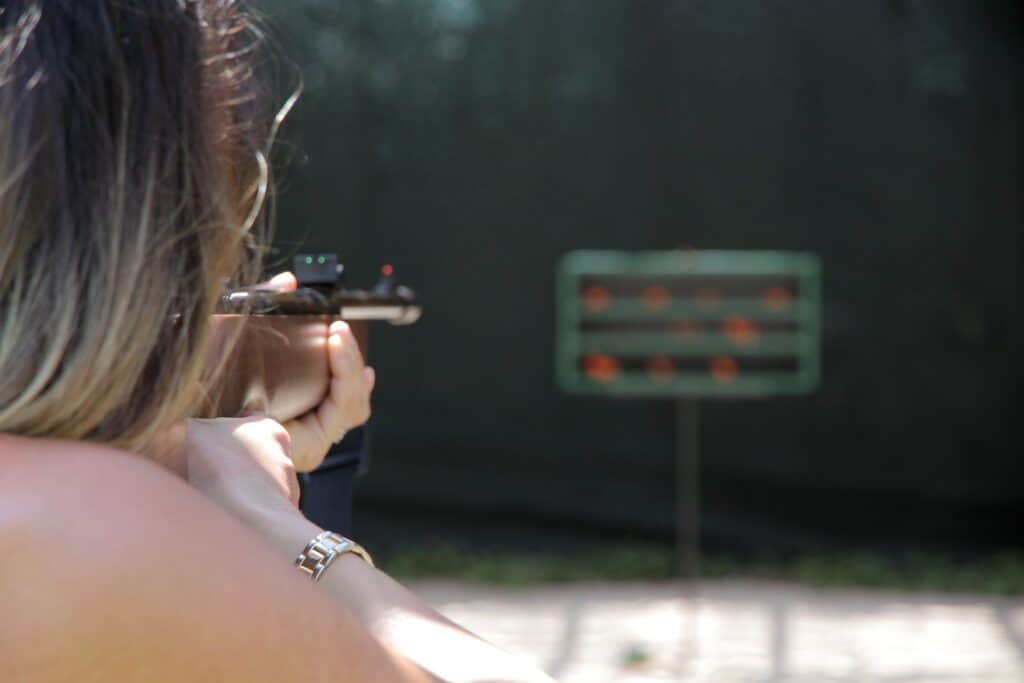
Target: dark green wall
x=471, y=142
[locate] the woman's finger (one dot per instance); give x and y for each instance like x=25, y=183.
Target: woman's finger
x=309, y=442
x=345, y=356
x=347, y=404
x=345, y=339
x=282, y=282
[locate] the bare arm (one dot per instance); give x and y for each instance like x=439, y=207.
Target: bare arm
x=402, y=621
x=243, y=465
x=247, y=466
x=111, y=569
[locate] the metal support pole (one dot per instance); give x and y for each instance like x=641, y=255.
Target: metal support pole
x=688, y=486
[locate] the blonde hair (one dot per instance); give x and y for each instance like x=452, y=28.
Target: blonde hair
x=132, y=172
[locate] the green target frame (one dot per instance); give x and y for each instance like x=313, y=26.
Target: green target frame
x=689, y=323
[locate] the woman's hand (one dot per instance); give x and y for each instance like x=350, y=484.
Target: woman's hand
x=243, y=465
x=241, y=462
x=347, y=404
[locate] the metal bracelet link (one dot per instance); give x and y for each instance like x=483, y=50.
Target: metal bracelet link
x=328, y=546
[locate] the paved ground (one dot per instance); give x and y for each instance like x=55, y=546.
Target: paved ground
x=732, y=631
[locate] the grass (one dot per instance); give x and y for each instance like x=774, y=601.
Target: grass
x=997, y=574
x=618, y=563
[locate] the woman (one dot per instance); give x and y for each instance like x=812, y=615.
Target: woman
x=136, y=544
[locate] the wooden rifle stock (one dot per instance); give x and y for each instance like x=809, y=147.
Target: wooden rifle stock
x=275, y=364
x=271, y=352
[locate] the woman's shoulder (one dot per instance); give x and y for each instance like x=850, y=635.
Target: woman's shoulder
x=43, y=481
x=46, y=483
x=109, y=561
x=29, y=457
x=73, y=516
x=61, y=497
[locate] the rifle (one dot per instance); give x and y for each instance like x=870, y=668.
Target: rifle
x=278, y=362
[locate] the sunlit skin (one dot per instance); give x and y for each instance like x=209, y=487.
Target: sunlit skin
x=152, y=582
x=439, y=646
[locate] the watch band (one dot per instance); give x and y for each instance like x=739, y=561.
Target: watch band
x=328, y=546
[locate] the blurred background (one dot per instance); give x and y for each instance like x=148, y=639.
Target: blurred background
x=471, y=143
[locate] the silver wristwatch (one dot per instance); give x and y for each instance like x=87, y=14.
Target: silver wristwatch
x=319, y=553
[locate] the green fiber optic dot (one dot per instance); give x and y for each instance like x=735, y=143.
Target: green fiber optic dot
x=322, y=260
x=309, y=260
